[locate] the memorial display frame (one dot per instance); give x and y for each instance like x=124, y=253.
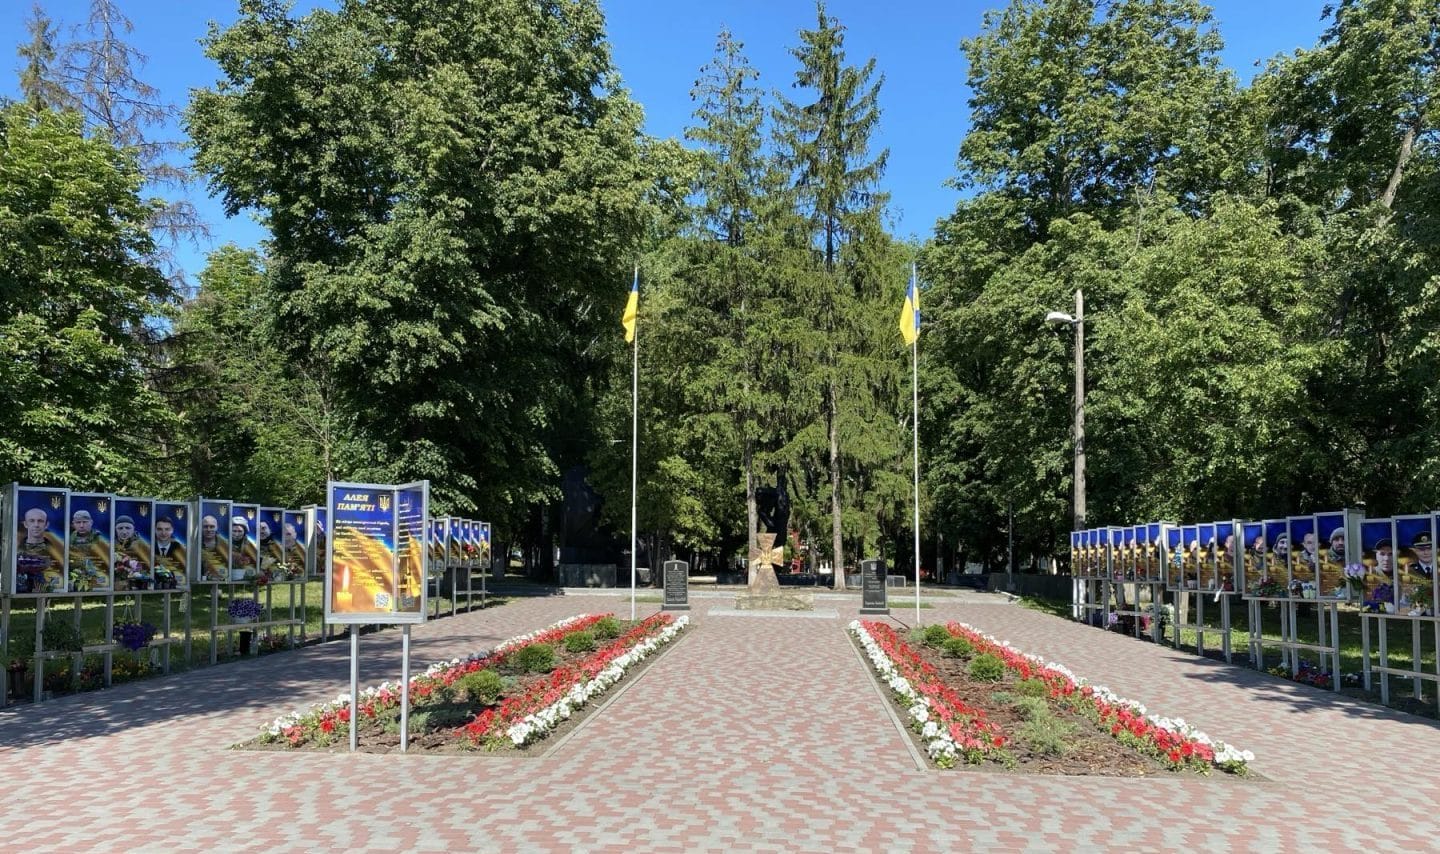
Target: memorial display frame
x=1124, y=584
x=94, y=559
x=1262, y=588
x=1092, y=592
x=472, y=562
x=1405, y=583
x=361, y=515
x=18, y=501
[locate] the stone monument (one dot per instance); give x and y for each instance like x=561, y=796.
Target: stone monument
x=764, y=593
x=874, y=598
x=677, y=586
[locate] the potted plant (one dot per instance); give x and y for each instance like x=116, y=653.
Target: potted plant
x=17, y=671
x=243, y=610
x=133, y=635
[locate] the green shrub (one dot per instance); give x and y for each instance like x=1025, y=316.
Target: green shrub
x=987, y=668
x=1032, y=688
x=935, y=635
x=1046, y=734
x=430, y=720
x=957, y=648
x=62, y=635
x=482, y=686
x=580, y=641
x=607, y=628
x=1032, y=708
x=535, y=658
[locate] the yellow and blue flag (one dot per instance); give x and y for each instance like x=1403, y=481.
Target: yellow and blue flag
x=909, y=312
x=632, y=309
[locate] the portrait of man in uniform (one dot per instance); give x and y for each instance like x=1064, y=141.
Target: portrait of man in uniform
x=214, y=549
x=244, y=550
x=271, y=529
x=291, y=547
x=89, y=542
x=1417, y=561
x=39, y=549
x=127, y=544
x=1191, y=535
x=1424, y=551
x=1253, y=556
x=1332, y=558
x=1225, y=557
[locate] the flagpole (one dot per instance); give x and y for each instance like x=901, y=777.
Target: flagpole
x=915, y=419
x=634, y=451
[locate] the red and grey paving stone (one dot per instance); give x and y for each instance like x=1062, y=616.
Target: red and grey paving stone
x=753, y=733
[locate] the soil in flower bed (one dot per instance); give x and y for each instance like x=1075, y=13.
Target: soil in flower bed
x=1000, y=720
x=1088, y=750
x=438, y=720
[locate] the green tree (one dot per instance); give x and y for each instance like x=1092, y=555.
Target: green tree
x=256, y=426
x=1084, y=105
x=453, y=189
x=1109, y=150
x=844, y=290
x=78, y=303
x=1352, y=158
x=94, y=71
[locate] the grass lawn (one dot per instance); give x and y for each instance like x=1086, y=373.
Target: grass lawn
x=281, y=602
x=1400, y=639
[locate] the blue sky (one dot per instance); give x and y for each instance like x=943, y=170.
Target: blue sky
x=660, y=45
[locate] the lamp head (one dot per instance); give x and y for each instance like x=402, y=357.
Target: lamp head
x=1059, y=318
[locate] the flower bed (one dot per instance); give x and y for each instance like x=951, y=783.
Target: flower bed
x=954, y=728
x=949, y=727
x=489, y=700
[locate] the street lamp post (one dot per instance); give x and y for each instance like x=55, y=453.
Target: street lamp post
x=1077, y=322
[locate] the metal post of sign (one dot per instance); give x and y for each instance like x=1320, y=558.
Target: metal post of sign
x=354, y=685
x=404, y=688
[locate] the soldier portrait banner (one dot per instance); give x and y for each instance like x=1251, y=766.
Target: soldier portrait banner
x=35, y=548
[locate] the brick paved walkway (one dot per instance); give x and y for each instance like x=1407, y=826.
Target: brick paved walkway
x=753, y=733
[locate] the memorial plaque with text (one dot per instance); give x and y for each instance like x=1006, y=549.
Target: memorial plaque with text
x=677, y=586
x=873, y=597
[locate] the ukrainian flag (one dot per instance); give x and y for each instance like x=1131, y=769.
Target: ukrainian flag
x=909, y=312
x=632, y=309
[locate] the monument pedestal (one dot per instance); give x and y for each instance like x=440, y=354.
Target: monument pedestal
x=765, y=594
x=779, y=601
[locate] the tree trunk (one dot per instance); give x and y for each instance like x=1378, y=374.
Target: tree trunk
x=547, y=543
x=1407, y=148
x=833, y=416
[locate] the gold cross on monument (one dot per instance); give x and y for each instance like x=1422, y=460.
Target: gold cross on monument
x=766, y=554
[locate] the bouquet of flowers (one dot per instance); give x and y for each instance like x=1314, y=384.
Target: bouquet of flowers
x=286, y=571
x=1354, y=578
x=243, y=610
x=133, y=635
x=86, y=577
x=1270, y=588
x=1381, y=600
x=133, y=572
